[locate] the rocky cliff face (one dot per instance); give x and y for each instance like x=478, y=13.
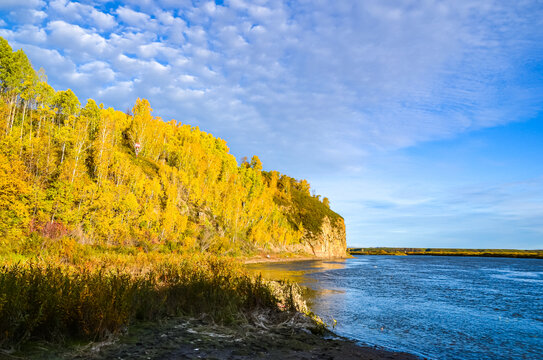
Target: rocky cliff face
x=329, y=242
x=323, y=229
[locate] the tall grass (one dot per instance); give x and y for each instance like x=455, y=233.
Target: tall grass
x=39, y=300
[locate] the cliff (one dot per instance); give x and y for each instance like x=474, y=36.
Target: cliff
x=328, y=242
x=323, y=229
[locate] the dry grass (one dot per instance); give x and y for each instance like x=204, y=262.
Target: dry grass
x=44, y=299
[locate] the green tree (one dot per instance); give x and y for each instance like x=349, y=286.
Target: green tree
x=6, y=66
x=17, y=77
x=67, y=105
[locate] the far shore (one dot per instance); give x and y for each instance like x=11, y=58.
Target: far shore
x=508, y=253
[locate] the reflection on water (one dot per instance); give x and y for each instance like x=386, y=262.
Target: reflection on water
x=295, y=270
x=440, y=307
x=300, y=272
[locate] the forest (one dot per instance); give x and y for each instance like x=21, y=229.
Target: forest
x=110, y=217
x=103, y=177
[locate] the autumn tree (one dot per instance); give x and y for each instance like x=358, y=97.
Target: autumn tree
x=141, y=121
x=256, y=164
x=68, y=166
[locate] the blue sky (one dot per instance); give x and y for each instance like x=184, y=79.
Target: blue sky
x=420, y=120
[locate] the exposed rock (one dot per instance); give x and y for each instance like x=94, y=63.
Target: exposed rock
x=330, y=242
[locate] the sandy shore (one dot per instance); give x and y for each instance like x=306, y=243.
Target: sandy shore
x=183, y=338
x=274, y=258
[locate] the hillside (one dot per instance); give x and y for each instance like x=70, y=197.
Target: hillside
x=73, y=177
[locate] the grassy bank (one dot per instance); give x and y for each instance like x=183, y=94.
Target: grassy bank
x=538, y=254
x=109, y=217
x=41, y=299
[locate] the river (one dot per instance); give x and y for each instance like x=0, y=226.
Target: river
x=438, y=307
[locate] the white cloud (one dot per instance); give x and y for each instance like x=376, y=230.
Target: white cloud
x=133, y=18
x=30, y=34
x=345, y=79
x=69, y=10
x=210, y=7
x=57, y=66
x=27, y=15
x=121, y=93
x=73, y=39
x=158, y=50
x=102, y=21
x=17, y=4
x=80, y=13
x=187, y=79
x=96, y=71
x=196, y=35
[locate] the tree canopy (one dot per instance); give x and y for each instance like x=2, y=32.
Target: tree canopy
x=72, y=171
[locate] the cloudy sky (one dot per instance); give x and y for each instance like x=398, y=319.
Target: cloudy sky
x=422, y=121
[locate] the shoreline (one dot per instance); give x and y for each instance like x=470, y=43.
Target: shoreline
x=263, y=332
x=498, y=253
x=280, y=336
x=273, y=259
x=457, y=255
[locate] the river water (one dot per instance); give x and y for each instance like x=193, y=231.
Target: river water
x=435, y=306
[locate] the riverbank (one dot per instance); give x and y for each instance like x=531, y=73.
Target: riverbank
x=507, y=253
x=278, y=336
x=151, y=314
x=50, y=301
x=276, y=258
